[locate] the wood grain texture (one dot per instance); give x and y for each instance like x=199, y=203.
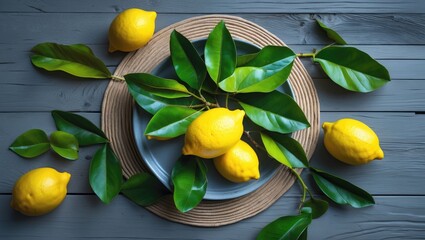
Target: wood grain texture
x=222, y=6
x=70, y=28
x=390, y=30
x=16, y=56
x=40, y=91
x=82, y=217
x=378, y=177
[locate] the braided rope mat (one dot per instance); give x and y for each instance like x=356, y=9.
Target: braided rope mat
x=117, y=121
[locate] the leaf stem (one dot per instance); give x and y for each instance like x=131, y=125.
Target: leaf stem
x=306, y=54
x=227, y=100
x=202, y=99
x=256, y=144
x=197, y=106
x=304, y=186
x=117, y=78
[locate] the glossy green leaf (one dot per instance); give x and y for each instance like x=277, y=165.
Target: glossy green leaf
x=188, y=64
x=242, y=79
x=265, y=72
x=285, y=228
x=153, y=103
x=220, y=53
x=341, y=191
x=190, y=182
x=273, y=59
x=162, y=87
x=31, y=143
x=171, y=121
x=274, y=150
x=143, y=189
x=64, y=144
x=285, y=150
x=274, y=111
x=105, y=174
x=77, y=60
x=242, y=60
x=331, y=33
x=318, y=207
x=352, y=69
x=85, y=131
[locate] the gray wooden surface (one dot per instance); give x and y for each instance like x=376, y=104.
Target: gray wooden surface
x=392, y=31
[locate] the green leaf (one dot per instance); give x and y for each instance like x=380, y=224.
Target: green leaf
x=220, y=53
x=274, y=150
x=303, y=235
x=274, y=111
x=188, y=64
x=85, y=131
x=152, y=103
x=190, y=182
x=31, y=143
x=77, y=60
x=285, y=228
x=266, y=71
x=318, y=207
x=341, y=191
x=171, y=121
x=285, y=150
x=105, y=174
x=143, y=189
x=162, y=87
x=64, y=144
x=352, y=69
x=242, y=60
x=331, y=33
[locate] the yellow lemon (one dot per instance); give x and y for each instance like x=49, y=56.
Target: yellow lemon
x=39, y=191
x=214, y=132
x=239, y=164
x=131, y=30
x=352, y=141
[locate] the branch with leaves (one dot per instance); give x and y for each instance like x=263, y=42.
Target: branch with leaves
x=252, y=82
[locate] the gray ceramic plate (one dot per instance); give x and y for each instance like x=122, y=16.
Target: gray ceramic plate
x=160, y=156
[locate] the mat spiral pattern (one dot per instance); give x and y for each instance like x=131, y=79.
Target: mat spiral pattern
x=117, y=120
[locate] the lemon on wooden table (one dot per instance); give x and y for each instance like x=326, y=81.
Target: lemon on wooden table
x=214, y=132
x=239, y=164
x=351, y=141
x=39, y=191
x=131, y=30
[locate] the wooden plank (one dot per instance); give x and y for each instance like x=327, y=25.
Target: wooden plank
x=81, y=217
x=398, y=69
x=45, y=91
x=368, y=29
x=16, y=56
x=403, y=95
x=37, y=90
x=221, y=6
x=400, y=133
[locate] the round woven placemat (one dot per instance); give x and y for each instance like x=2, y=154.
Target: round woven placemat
x=117, y=121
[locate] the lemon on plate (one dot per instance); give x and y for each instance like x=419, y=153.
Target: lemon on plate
x=351, y=141
x=214, y=132
x=39, y=191
x=239, y=164
x=131, y=30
